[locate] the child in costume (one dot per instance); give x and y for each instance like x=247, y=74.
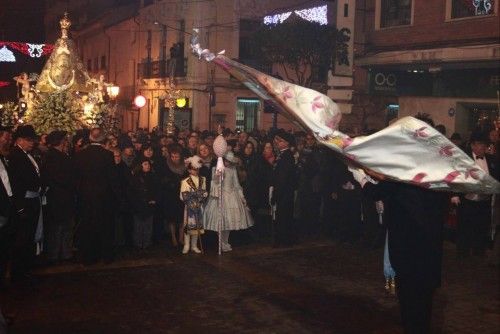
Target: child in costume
x=193, y=193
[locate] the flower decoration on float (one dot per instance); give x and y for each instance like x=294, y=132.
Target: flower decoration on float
x=62, y=110
x=9, y=114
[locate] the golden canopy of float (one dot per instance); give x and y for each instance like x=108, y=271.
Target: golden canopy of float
x=64, y=70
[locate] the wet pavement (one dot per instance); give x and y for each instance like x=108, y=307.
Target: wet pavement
x=318, y=286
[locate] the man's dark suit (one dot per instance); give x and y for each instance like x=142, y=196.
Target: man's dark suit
x=96, y=187
x=25, y=179
x=474, y=218
x=58, y=175
x=7, y=234
x=5, y=200
x=414, y=218
x=284, y=183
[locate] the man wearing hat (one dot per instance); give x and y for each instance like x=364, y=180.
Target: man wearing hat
x=58, y=177
x=284, y=184
x=474, y=210
x=97, y=188
x=25, y=177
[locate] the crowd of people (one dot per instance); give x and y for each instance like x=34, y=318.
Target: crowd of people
x=84, y=197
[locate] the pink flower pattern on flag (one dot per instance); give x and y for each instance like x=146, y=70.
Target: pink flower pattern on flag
x=419, y=177
x=317, y=103
x=287, y=94
x=346, y=142
x=420, y=133
x=472, y=173
x=451, y=176
x=446, y=150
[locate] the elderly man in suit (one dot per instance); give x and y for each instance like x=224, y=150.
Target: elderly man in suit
x=284, y=185
x=97, y=185
x=26, y=187
x=474, y=210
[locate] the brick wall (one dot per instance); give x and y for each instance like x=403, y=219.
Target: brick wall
x=430, y=29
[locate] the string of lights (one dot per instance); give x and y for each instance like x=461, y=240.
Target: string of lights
x=31, y=49
x=314, y=14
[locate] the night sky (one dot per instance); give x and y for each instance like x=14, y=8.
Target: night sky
x=20, y=21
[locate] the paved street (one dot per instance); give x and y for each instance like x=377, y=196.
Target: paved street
x=316, y=287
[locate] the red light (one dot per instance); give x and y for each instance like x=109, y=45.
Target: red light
x=140, y=101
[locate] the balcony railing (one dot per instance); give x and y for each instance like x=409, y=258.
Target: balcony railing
x=176, y=67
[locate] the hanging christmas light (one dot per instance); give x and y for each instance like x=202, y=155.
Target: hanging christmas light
x=278, y=18
x=314, y=14
x=6, y=55
x=33, y=50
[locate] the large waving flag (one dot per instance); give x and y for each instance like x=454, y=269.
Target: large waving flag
x=408, y=151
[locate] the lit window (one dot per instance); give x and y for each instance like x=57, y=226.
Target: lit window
x=469, y=8
x=246, y=113
x=395, y=13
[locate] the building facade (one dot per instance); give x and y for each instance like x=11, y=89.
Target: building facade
x=436, y=57
x=143, y=47
x=214, y=98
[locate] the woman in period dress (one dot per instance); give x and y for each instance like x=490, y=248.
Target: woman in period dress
x=235, y=213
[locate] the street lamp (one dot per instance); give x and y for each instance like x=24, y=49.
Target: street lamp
x=113, y=91
x=172, y=99
x=139, y=101
x=181, y=102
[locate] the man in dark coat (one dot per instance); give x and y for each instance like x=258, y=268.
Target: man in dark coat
x=58, y=176
x=284, y=185
x=345, y=203
x=474, y=210
x=414, y=217
x=7, y=209
x=97, y=192
x=26, y=186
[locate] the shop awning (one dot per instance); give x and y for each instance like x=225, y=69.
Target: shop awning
x=464, y=54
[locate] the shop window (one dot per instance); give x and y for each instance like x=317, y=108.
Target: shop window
x=458, y=9
x=246, y=114
x=393, y=13
x=392, y=113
